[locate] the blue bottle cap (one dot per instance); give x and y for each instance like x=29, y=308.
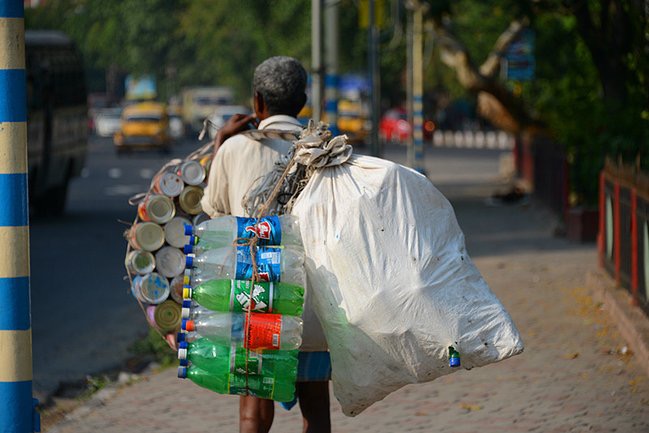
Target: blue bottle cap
x=180, y=337
x=188, y=249
x=454, y=362
x=187, y=303
x=184, y=363
x=189, y=230
x=182, y=372
x=182, y=345
x=183, y=324
x=189, y=261
x=193, y=240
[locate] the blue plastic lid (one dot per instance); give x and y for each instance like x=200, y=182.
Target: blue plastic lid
x=189, y=230
x=184, y=363
x=187, y=303
x=188, y=249
x=182, y=345
x=183, y=324
x=180, y=337
x=182, y=372
x=189, y=261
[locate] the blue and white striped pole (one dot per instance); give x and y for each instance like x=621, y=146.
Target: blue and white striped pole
x=331, y=39
x=331, y=102
x=17, y=407
x=418, y=90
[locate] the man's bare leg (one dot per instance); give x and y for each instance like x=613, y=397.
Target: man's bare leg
x=314, y=404
x=256, y=414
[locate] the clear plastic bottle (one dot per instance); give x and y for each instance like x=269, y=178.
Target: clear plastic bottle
x=284, y=264
x=275, y=367
x=265, y=331
x=223, y=231
x=234, y=295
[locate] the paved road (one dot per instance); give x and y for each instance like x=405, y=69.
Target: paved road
x=576, y=374
x=83, y=317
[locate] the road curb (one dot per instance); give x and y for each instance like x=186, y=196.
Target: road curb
x=632, y=323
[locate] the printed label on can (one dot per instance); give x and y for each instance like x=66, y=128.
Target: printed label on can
x=267, y=229
x=263, y=331
x=268, y=263
x=261, y=301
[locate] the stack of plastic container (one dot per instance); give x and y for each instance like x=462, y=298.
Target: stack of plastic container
x=240, y=335
x=155, y=260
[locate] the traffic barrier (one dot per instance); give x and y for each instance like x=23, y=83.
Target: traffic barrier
x=623, y=240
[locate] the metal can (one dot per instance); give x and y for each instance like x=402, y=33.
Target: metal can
x=170, y=261
x=168, y=316
x=176, y=288
x=146, y=236
x=201, y=217
x=157, y=208
x=190, y=200
x=139, y=262
x=169, y=184
x=152, y=288
x=175, y=232
x=191, y=172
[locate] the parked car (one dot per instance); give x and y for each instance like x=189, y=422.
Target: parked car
x=176, y=127
x=394, y=127
x=108, y=121
x=222, y=114
x=144, y=125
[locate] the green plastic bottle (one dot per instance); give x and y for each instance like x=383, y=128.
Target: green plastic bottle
x=271, y=374
x=234, y=295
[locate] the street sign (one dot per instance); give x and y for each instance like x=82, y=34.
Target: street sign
x=520, y=57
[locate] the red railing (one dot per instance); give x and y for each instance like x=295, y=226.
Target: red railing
x=623, y=239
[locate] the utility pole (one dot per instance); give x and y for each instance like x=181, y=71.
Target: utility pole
x=17, y=413
x=316, y=60
x=331, y=61
x=374, y=74
x=416, y=85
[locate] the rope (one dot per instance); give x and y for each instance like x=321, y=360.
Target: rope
x=315, y=149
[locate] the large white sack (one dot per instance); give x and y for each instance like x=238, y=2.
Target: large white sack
x=392, y=283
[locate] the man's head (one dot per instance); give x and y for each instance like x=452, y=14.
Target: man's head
x=279, y=86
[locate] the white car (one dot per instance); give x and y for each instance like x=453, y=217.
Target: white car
x=222, y=114
x=108, y=121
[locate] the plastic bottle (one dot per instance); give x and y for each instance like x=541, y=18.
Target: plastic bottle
x=284, y=264
x=223, y=382
x=234, y=295
x=453, y=357
x=273, y=230
x=279, y=365
x=265, y=331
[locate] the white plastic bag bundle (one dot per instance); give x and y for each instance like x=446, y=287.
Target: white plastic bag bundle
x=392, y=283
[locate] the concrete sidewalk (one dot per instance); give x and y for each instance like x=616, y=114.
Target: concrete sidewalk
x=577, y=374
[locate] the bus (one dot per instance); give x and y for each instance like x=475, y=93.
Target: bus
x=57, y=113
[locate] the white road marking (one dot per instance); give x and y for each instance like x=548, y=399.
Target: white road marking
x=115, y=173
x=122, y=190
x=146, y=173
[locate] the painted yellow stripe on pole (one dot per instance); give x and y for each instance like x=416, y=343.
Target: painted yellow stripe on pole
x=14, y=252
x=13, y=158
x=15, y=356
x=12, y=51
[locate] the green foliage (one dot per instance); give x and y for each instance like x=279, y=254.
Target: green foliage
x=153, y=345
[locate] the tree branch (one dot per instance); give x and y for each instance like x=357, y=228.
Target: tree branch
x=505, y=110
x=491, y=66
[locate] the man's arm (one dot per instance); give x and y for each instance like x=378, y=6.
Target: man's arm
x=234, y=125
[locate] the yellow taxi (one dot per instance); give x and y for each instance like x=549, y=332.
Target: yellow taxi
x=144, y=126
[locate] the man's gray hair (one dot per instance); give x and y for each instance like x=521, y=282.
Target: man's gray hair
x=281, y=81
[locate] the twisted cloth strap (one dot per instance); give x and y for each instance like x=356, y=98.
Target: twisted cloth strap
x=277, y=191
